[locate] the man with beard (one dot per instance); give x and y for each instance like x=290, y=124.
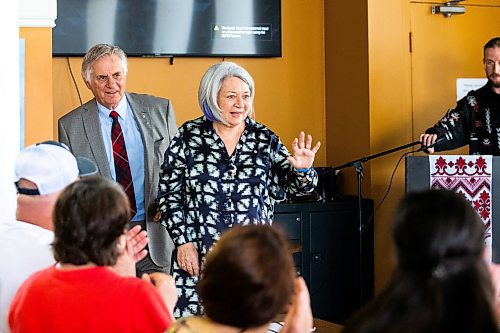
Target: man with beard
x=476, y=118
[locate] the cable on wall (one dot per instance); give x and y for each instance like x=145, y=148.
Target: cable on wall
x=74, y=81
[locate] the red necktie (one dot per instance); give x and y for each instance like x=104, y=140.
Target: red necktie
x=122, y=167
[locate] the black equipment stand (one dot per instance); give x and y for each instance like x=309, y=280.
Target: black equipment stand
x=358, y=165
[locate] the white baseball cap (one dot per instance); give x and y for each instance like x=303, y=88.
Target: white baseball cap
x=51, y=166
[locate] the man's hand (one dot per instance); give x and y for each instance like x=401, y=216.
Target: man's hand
x=495, y=279
x=165, y=285
x=427, y=140
x=125, y=263
x=137, y=239
x=299, y=318
x=131, y=248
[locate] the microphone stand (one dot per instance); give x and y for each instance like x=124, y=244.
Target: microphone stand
x=358, y=166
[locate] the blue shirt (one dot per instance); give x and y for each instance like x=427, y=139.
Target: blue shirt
x=135, y=149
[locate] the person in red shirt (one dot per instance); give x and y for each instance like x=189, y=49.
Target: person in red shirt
x=81, y=293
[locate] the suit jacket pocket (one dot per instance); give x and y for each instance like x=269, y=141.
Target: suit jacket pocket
x=160, y=145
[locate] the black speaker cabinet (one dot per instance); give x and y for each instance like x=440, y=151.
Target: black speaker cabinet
x=332, y=252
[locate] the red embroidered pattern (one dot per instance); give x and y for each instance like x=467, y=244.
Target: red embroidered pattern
x=469, y=176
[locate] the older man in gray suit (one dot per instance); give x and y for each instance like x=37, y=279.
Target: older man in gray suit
x=126, y=135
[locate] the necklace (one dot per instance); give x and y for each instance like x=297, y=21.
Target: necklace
x=232, y=170
x=230, y=139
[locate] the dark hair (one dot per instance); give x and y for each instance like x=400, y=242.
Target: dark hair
x=248, y=277
x=441, y=282
x=89, y=217
x=494, y=42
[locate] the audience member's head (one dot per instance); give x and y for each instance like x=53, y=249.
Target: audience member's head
x=248, y=277
x=438, y=234
x=92, y=247
x=48, y=167
x=42, y=171
x=89, y=218
x=441, y=282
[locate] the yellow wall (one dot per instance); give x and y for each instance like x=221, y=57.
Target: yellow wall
x=391, y=111
x=290, y=91
x=368, y=100
x=38, y=87
x=359, y=55
x=347, y=90
x=344, y=77
x=390, y=115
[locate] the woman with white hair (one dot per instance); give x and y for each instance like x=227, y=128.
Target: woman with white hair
x=224, y=169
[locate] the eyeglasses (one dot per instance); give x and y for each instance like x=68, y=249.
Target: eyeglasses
x=26, y=191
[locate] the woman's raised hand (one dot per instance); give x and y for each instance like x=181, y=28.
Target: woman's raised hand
x=302, y=153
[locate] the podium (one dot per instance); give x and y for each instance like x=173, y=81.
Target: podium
x=417, y=178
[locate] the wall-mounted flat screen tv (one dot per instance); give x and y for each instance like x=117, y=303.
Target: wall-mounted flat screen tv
x=195, y=28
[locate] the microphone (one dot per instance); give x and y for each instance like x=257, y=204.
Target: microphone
x=446, y=136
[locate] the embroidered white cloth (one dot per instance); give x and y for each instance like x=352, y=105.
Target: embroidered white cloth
x=470, y=176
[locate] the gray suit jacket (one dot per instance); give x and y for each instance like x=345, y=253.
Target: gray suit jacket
x=80, y=130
